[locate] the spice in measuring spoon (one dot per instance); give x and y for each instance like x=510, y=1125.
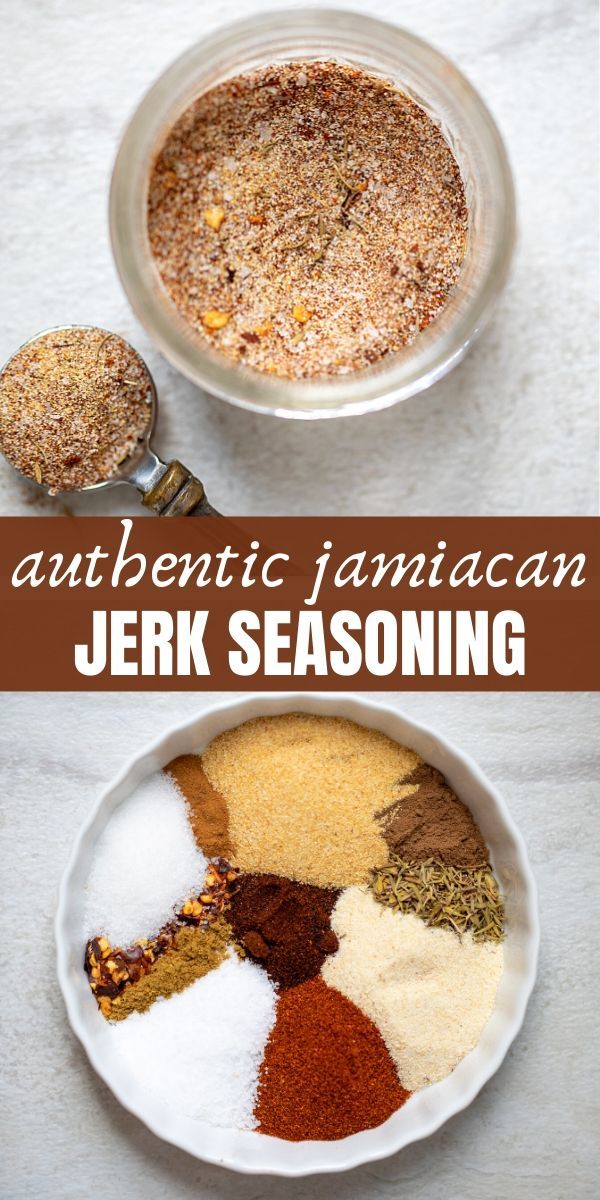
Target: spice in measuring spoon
x=77, y=410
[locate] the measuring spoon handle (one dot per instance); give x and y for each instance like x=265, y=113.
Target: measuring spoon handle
x=178, y=494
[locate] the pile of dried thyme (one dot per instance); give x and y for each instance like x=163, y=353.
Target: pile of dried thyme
x=466, y=900
x=307, y=218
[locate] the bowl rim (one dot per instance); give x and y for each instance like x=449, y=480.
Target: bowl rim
x=241, y=708
x=410, y=371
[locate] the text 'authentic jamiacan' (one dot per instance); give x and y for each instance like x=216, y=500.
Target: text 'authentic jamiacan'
x=334, y=616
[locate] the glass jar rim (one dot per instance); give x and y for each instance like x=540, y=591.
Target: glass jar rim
x=396, y=378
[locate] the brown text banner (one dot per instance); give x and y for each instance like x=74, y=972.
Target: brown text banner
x=271, y=603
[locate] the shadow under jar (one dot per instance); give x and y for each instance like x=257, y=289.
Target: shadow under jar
x=415, y=69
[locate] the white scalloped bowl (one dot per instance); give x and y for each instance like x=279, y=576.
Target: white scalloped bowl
x=426, y=1110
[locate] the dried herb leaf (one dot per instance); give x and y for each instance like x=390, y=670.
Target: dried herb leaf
x=465, y=899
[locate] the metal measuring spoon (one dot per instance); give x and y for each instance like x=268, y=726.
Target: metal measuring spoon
x=168, y=489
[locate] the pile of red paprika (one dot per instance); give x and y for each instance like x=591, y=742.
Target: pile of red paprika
x=327, y=1072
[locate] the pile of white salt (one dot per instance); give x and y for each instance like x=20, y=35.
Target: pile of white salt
x=146, y=864
x=200, y=1051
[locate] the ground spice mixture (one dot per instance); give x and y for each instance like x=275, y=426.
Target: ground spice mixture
x=74, y=404
x=302, y=792
x=283, y=925
x=326, y=1071
x=207, y=808
x=429, y=821
x=307, y=218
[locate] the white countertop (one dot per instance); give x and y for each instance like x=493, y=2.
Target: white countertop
x=512, y=430
x=528, y=1136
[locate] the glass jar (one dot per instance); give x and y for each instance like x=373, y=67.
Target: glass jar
x=434, y=83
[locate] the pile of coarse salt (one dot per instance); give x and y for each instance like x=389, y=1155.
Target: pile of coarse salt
x=199, y=1052
x=146, y=864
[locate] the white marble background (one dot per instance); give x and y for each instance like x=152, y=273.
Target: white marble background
x=513, y=430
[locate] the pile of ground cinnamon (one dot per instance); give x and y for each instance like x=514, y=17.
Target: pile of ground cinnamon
x=432, y=822
x=284, y=926
x=207, y=808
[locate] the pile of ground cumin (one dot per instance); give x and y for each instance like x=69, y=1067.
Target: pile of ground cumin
x=194, y=951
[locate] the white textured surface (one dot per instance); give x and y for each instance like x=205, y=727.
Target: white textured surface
x=511, y=430
x=529, y=1135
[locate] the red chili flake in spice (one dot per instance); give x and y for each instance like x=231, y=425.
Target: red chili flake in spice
x=326, y=1072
